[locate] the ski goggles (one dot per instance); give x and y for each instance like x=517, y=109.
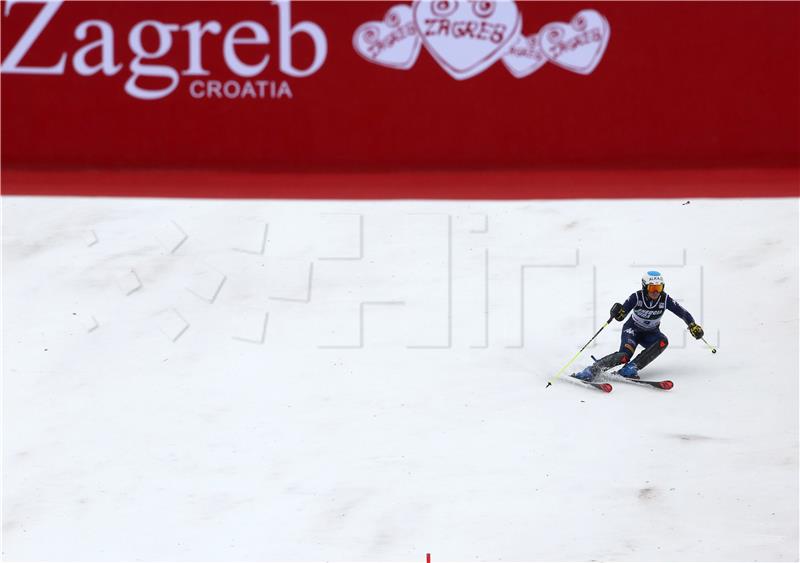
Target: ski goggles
x=657, y=287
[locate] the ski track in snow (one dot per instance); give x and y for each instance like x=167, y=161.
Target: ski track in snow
x=278, y=380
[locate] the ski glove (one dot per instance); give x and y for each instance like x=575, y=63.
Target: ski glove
x=696, y=330
x=618, y=312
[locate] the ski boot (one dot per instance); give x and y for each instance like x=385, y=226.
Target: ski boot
x=587, y=374
x=629, y=371
x=601, y=365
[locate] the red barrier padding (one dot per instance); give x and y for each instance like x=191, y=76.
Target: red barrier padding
x=582, y=184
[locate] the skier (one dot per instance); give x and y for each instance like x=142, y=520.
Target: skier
x=642, y=328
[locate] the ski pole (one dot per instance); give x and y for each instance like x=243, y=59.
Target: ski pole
x=550, y=382
x=713, y=350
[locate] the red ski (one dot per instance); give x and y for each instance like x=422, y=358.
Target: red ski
x=604, y=387
x=665, y=384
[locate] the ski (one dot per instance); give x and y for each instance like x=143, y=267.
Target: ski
x=665, y=384
x=604, y=387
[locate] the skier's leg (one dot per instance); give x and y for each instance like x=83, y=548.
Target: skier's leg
x=630, y=339
x=606, y=362
x=626, y=348
x=656, y=344
x=610, y=361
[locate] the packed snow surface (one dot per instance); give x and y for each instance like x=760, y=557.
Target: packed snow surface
x=321, y=380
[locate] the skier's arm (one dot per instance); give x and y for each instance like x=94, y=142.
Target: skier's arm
x=675, y=307
x=694, y=328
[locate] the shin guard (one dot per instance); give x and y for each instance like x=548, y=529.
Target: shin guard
x=651, y=353
x=609, y=361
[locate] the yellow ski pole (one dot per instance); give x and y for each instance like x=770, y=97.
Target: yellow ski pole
x=713, y=350
x=550, y=382
x=710, y=347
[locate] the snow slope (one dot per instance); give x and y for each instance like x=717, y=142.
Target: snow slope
x=289, y=380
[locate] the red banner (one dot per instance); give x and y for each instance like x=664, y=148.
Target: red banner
x=381, y=85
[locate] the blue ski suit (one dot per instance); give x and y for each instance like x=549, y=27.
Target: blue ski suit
x=642, y=328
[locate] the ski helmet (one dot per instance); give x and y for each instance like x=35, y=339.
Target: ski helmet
x=652, y=278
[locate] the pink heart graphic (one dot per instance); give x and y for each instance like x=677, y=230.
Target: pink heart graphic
x=393, y=42
x=466, y=37
x=579, y=45
x=525, y=56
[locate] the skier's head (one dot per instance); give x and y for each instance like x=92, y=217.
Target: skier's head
x=652, y=284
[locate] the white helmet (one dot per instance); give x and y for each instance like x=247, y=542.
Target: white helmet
x=652, y=278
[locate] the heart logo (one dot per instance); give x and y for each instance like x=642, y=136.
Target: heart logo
x=525, y=56
x=579, y=45
x=393, y=42
x=466, y=37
